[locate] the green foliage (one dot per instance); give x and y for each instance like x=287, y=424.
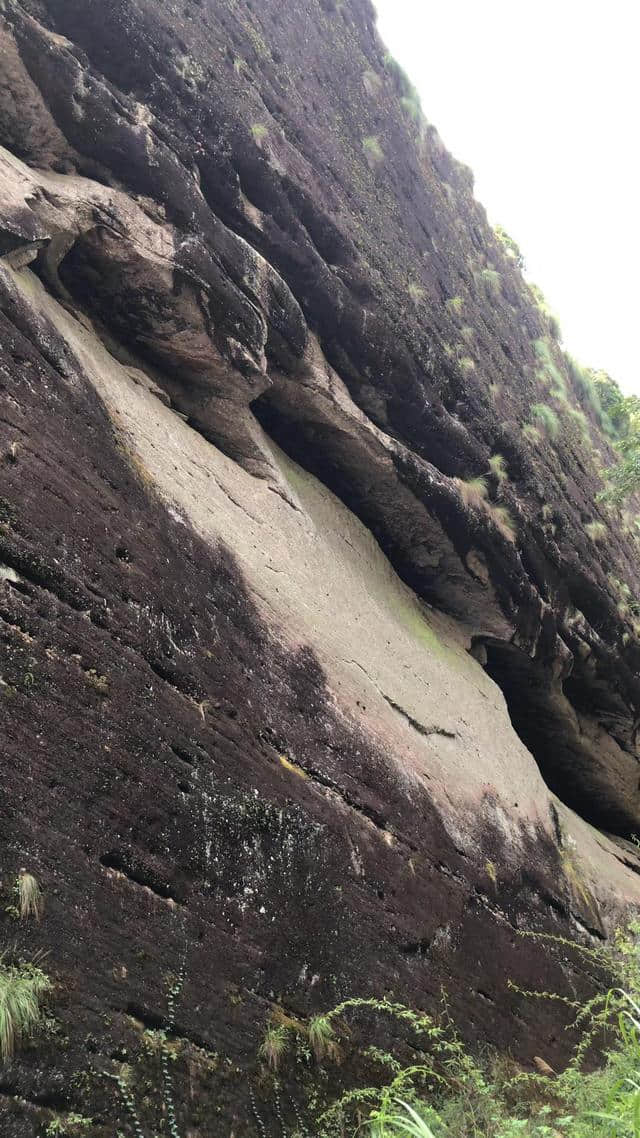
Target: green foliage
x=322, y=1038
x=491, y=278
x=372, y=148
x=542, y=305
x=511, y=248
x=620, y=409
x=274, y=1045
x=493, y=1099
x=547, y=418
x=411, y=105
x=258, y=131
x=455, y=304
x=549, y=373
x=497, y=466
x=623, y=412
x=67, y=1126
x=467, y=364
x=22, y=989
x=121, y=1078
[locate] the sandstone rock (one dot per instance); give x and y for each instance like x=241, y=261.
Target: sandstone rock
x=281, y=696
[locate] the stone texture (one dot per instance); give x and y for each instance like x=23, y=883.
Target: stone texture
x=262, y=653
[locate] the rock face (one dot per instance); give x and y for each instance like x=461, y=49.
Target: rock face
x=286, y=697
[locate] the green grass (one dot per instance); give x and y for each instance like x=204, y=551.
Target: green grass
x=274, y=1045
x=498, y=467
x=412, y=108
x=547, y=419
x=372, y=148
x=258, y=131
x=549, y=372
x=467, y=364
x=491, y=279
x=455, y=304
x=435, y=1088
x=22, y=989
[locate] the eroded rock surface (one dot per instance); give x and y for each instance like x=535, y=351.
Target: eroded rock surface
x=281, y=696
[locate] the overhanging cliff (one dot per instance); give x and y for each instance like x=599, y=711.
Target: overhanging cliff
x=286, y=691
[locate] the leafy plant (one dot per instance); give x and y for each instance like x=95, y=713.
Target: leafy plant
x=455, y=304
x=22, y=989
x=67, y=1126
x=122, y=1076
x=510, y=247
x=258, y=131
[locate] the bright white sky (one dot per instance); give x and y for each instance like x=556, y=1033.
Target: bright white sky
x=541, y=98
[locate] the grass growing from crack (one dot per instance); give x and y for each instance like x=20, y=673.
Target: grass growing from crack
x=547, y=418
x=23, y=987
x=597, y=531
x=497, y=466
x=473, y=491
x=29, y=894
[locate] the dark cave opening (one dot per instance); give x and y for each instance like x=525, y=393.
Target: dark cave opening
x=547, y=724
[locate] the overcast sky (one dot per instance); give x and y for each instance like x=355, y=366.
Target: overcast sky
x=542, y=100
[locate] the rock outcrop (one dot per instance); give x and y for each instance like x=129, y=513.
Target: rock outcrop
x=287, y=695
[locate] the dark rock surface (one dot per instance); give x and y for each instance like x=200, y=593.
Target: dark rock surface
x=193, y=187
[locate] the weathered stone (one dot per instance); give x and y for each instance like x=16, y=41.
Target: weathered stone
x=280, y=695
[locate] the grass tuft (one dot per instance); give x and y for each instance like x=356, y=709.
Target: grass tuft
x=473, y=491
x=548, y=419
x=531, y=434
x=30, y=900
x=22, y=988
x=597, y=531
x=498, y=467
x=455, y=304
x=322, y=1038
x=274, y=1045
x=504, y=522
